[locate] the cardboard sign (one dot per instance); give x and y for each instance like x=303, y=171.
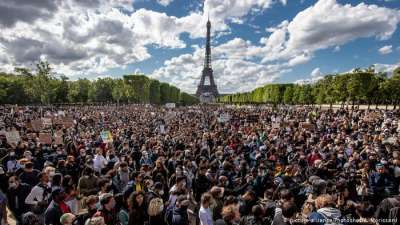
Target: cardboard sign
x=45, y=138
x=307, y=126
x=47, y=122
x=106, y=136
x=13, y=137
x=223, y=118
x=170, y=105
x=68, y=122
x=37, y=125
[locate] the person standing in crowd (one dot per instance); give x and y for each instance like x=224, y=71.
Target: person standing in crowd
x=56, y=208
x=107, y=209
x=180, y=213
x=205, y=213
x=16, y=195
x=67, y=219
x=87, y=184
x=29, y=175
x=38, y=198
x=137, y=212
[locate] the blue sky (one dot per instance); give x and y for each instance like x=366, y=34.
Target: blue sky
x=254, y=41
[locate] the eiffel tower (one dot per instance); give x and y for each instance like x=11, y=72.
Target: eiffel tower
x=207, y=92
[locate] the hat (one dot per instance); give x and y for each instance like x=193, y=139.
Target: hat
x=379, y=165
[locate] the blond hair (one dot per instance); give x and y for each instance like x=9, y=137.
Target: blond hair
x=156, y=206
x=324, y=200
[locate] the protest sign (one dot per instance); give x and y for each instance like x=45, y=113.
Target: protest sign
x=13, y=137
x=68, y=122
x=106, y=136
x=170, y=105
x=223, y=118
x=47, y=122
x=36, y=125
x=45, y=138
x=307, y=126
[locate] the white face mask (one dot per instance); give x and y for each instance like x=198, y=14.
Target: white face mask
x=161, y=192
x=52, y=173
x=13, y=185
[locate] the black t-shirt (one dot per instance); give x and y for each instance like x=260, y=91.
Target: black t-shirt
x=30, y=177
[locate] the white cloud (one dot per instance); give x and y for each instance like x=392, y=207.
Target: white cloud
x=234, y=64
x=164, y=2
x=328, y=24
x=316, y=75
x=387, y=49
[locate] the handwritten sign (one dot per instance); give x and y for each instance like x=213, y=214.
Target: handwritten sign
x=307, y=126
x=36, y=125
x=223, y=118
x=170, y=105
x=13, y=137
x=68, y=122
x=106, y=136
x=45, y=138
x=47, y=122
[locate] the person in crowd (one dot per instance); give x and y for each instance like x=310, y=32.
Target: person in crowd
x=107, y=209
x=16, y=195
x=180, y=213
x=56, y=208
x=67, y=219
x=205, y=213
x=285, y=164
x=137, y=210
x=38, y=198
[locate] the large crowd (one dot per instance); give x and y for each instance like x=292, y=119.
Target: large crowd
x=200, y=165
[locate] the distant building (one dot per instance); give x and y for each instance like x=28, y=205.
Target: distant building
x=207, y=91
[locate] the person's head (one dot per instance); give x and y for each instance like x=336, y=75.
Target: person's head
x=107, y=201
x=319, y=186
x=58, y=195
x=43, y=178
x=88, y=171
x=231, y=213
x=28, y=166
x=123, y=167
x=137, y=176
x=380, y=168
x=136, y=199
x=13, y=182
x=205, y=200
x=104, y=185
x=181, y=182
x=67, y=219
x=156, y=207
x=30, y=218
x=182, y=202
x=257, y=211
x=91, y=203
x=323, y=201
x=158, y=188
x=289, y=209
x=365, y=210
x=286, y=195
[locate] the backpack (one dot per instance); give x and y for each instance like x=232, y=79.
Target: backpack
x=168, y=215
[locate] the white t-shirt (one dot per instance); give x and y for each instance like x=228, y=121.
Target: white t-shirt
x=99, y=162
x=205, y=216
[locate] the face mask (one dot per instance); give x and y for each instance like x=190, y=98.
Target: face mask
x=161, y=192
x=22, y=166
x=13, y=185
x=52, y=173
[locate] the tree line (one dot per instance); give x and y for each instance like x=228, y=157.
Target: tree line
x=41, y=86
x=361, y=86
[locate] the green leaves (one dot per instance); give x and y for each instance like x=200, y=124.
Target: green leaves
x=41, y=86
